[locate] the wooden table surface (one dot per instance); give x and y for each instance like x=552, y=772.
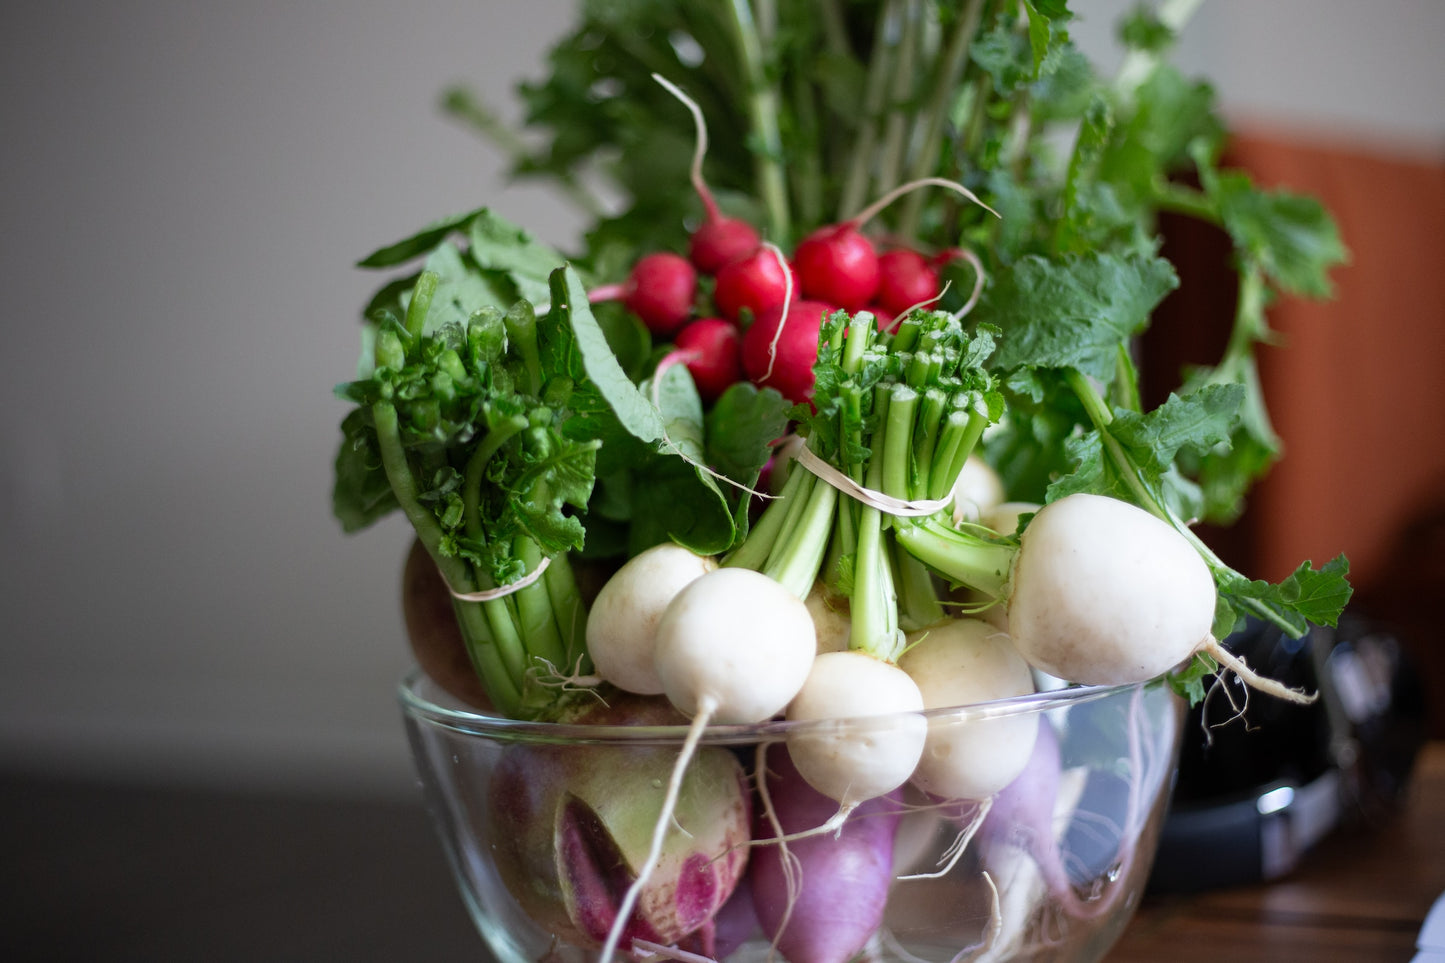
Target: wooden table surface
x=1359, y=896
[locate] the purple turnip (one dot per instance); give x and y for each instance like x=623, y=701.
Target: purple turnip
x=841, y=880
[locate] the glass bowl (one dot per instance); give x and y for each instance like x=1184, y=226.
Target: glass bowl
x=1051, y=867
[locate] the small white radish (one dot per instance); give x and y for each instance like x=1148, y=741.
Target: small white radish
x=1004, y=517
x=734, y=646
x=961, y=662
x=977, y=490
x=832, y=625
x=847, y=755
x=1102, y=592
x=622, y=625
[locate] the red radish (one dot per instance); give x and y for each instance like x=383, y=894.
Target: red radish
x=905, y=279
x=712, y=350
x=820, y=898
x=755, y=283
x=660, y=290
x=780, y=347
x=719, y=239
x=838, y=265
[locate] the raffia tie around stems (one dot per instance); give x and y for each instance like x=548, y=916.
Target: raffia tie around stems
x=501, y=591
x=886, y=504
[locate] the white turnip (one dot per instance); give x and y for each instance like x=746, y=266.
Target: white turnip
x=962, y=662
x=1102, y=592
x=622, y=626
x=867, y=732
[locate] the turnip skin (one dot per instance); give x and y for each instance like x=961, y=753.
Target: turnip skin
x=832, y=625
x=622, y=625
x=959, y=662
x=1104, y=593
x=844, y=877
x=977, y=491
x=845, y=755
x=734, y=643
x=569, y=826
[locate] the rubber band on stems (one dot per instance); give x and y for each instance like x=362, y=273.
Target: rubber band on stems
x=886, y=504
x=501, y=591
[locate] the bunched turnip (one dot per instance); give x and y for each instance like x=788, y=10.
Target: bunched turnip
x=866, y=734
x=733, y=646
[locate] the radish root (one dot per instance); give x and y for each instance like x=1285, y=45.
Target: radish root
x=699, y=150
x=787, y=305
x=956, y=849
x=1253, y=679
x=656, y=951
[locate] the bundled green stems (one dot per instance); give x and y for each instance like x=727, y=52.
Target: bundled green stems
x=466, y=427
x=900, y=413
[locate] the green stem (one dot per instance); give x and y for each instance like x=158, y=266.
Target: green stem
x=486, y=656
x=1178, y=199
x=476, y=469
x=958, y=556
x=918, y=604
x=754, y=551
x=1126, y=380
x=796, y=568
x=420, y=303
x=763, y=115
x=897, y=440
x=570, y=613
x=891, y=158
x=874, y=602
x=875, y=97
x=490, y=634
x=536, y=619
x=936, y=111
x=797, y=511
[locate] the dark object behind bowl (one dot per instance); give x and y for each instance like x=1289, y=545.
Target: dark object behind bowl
x=1258, y=787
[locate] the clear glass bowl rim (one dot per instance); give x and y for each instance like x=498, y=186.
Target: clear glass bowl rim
x=479, y=724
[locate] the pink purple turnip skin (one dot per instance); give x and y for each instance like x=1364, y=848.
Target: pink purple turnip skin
x=568, y=825
x=844, y=878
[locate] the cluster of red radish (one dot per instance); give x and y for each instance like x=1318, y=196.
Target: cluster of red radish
x=769, y=312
